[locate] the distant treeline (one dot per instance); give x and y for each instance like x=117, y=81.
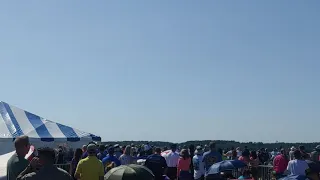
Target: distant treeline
x=222, y=144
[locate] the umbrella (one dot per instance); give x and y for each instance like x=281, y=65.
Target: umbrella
x=129, y=172
x=294, y=177
x=226, y=165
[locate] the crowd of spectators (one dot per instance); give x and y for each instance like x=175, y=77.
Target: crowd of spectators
x=92, y=161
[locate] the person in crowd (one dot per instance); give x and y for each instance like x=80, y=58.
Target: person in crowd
x=84, y=151
x=206, y=148
x=134, y=151
x=183, y=166
x=122, y=149
x=42, y=167
x=74, y=162
x=291, y=153
x=149, y=152
x=60, y=159
x=157, y=164
x=304, y=154
x=315, y=155
x=146, y=147
x=280, y=163
x=234, y=155
x=17, y=163
x=142, y=155
x=91, y=167
x=313, y=171
x=70, y=155
x=191, y=153
x=102, y=152
x=245, y=156
x=172, y=161
x=222, y=154
x=209, y=158
x=273, y=153
x=117, y=151
x=239, y=152
x=110, y=158
x=254, y=164
x=297, y=166
x=245, y=175
x=228, y=154
x=263, y=156
x=165, y=148
x=126, y=157
x=198, y=164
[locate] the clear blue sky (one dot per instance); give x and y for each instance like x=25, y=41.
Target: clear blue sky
x=166, y=70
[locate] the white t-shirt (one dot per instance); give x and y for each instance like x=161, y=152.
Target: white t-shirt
x=171, y=159
x=229, y=154
x=297, y=167
x=198, y=166
x=239, y=153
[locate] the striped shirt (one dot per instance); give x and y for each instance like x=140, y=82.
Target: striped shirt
x=171, y=159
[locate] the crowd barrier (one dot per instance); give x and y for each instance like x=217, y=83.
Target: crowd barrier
x=264, y=172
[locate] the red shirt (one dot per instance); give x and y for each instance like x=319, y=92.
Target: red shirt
x=280, y=163
x=183, y=165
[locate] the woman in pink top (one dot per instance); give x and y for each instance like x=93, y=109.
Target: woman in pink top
x=245, y=157
x=183, y=167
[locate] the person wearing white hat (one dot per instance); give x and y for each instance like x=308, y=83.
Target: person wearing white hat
x=198, y=164
x=239, y=152
x=291, y=153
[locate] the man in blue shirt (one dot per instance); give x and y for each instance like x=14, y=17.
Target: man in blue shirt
x=102, y=152
x=211, y=157
x=110, y=158
x=157, y=164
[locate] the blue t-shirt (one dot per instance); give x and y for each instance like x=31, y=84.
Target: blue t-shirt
x=109, y=159
x=211, y=157
x=102, y=155
x=156, y=163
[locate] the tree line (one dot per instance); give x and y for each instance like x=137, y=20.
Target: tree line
x=223, y=144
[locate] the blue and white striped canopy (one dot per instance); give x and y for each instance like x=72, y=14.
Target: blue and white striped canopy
x=15, y=122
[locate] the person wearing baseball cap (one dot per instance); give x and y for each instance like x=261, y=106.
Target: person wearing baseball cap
x=315, y=155
x=198, y=164
x=90, y=167
x=110, y=160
